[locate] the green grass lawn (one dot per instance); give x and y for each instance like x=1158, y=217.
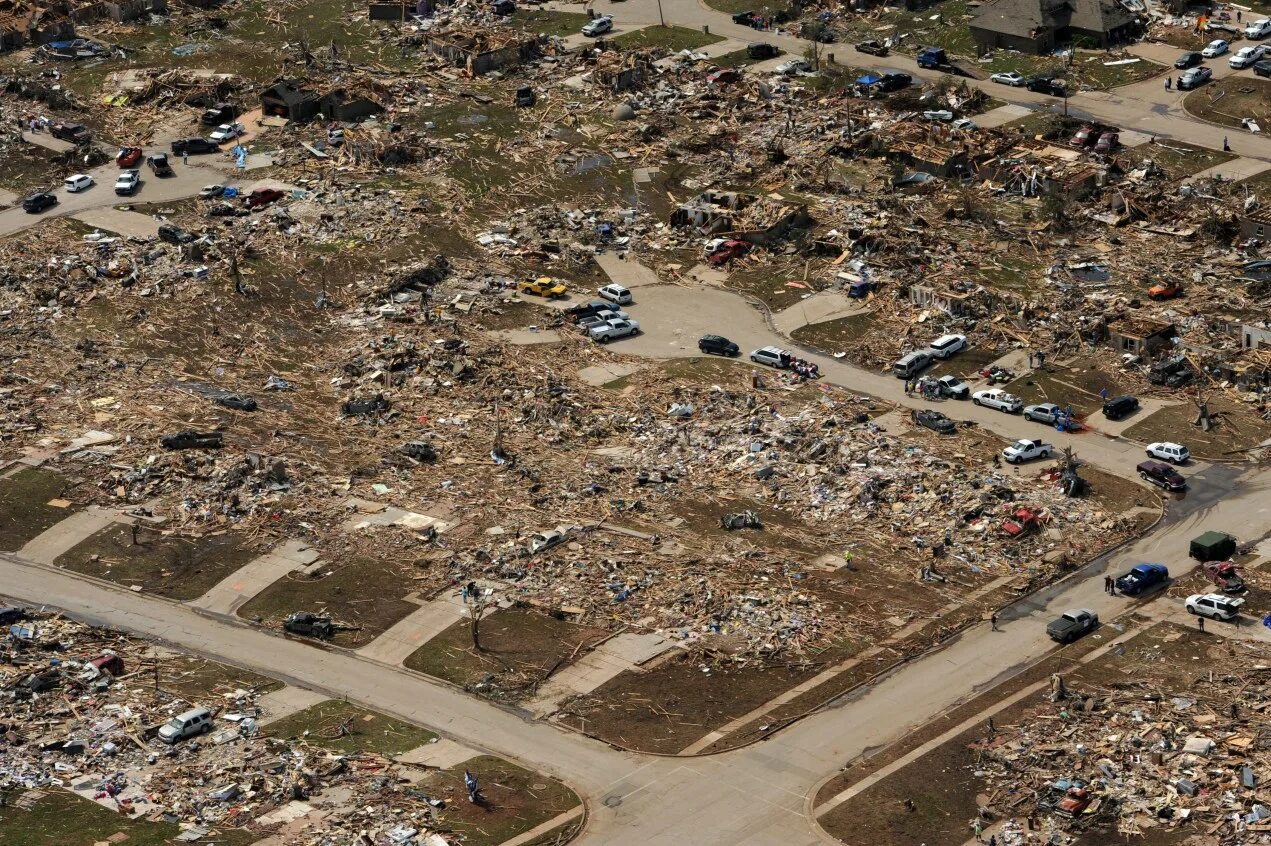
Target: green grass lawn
x=732, y=7
x=24, y=505
x=561, y=24
x=370, y=732
x=1180, y=159
x=673, y=38
x=517, y=800
x=60, y=818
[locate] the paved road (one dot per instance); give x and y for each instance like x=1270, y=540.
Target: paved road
x=185, y=181
x=758, y=795
x=1146, y=106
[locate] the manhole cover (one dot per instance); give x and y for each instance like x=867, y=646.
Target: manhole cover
x=539, y=786
x=613, y=801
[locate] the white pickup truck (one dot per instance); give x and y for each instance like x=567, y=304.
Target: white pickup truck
x=614, y=328
x=1026, y=449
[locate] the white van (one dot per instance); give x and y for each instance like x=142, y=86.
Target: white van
x=192, y=722
x=912, y=364
x=615, y=294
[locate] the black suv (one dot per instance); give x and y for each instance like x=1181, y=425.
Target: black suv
x=37, y=203
x=194, y=146
x=718, y=345
x=218, y=114
x=1120, y=407
x=1262, y=68
x=1188, y=60
x=744, y=18
x=760, y=50
x=1045, y=85
x=1160, y=473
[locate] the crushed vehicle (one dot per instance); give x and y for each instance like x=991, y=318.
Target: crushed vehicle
x=933, y=420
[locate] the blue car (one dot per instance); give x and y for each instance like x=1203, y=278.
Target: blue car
x=1141, y=578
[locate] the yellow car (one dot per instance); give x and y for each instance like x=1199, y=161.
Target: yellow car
x=543, y=286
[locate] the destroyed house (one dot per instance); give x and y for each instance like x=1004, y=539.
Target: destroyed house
x=1038, y=26
x=1248, y=370
x=747, y=217
x=480, y=52
x=953, y=303
x=622, y=71
x=944, y=160
x=348, y=106
x=286, y=98
x=23, y=23
x=1255, y=225
x=1141, y=336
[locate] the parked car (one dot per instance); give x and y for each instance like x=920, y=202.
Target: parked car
x=188, y=724
x=1045, y=85
x=723, y=76
x=872, y=47
x=615, y=294
x=1212, y=546
x=503, y=8
x=1169, y=451
x=1108, y=141
x=771, y=356
x=1072, y=625
x=1046, y=412
x=209, y=192
x=1141, y=577
x=1214, y=606
x=600, y=318
x=744, y=18
x=174, y=234
x=614, y=329
x=933, y=420
x=1027, y=449
x=226, y=132
x=582, y=310
x=262, y=197
x=938, y=114
x=718, y=345
x=1188, y=60
x=953, y=387
x=792, y=67
x=218, y=114
x=1083, y=137
x=543, y=286
x=128, y=156
x=965, y=124
x=1195, y=78
x=1215, y=48
x=911, y=364
x=598, y=26
x=127, y=182
x=159, y=165
x=724, y=250
x=894, y=82
x=1246, y=56
x=760, y=49
x=1119, y=408
x=194, y=146
x=947, y=346
x=999, y=399
x=1015, y=79
x=1262, y=68
x=1161, y=474
x=309, y=624
x=78, y=182
x=75, y=133
x=38, y=202
x=1258, y=29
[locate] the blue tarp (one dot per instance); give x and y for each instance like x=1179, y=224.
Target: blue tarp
x=869, y=79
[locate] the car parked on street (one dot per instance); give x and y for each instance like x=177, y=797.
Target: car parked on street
x=1142, y=577
x=1159, y=473
x=127, y=182
x=584, y=310
x=38, y=202
x=615, y=294
x=159, y=165
x=1188, y=60
x=718, y=345
x=194, y=146
x=1045, y=85
x=872, y=47
x=210, y=192
x=226, y=132
x=999, y=399
x=78, y=182
x=1215, y=606
x=1258, y=29
x=1119, y=408
x=1262, y=68
x=761, y=49
x=602, y=317
x=933, y=420
x=1215, y=48
x=128, y=156
x=598, y=26
x=1169, y=451
x=894, y=82
x=1194, y=78
x=771, y=356
x=953, y=387
x=1015, y=79
x=1072, y=625
x=614, y=329
x=1246, y=56
x=1046, y=412
x=1027, y=449
x=218, y=114
x=911, y=364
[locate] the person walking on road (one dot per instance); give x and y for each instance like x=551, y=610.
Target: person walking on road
x=1200, y=621
x=1107, y=584
x=993, y=622
x=1169, y=81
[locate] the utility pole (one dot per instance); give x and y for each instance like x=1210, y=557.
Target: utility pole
x=661, y=20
